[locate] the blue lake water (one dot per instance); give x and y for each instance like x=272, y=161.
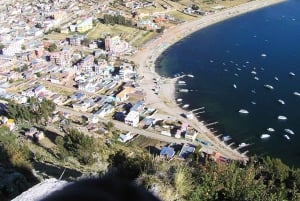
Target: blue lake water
x=265, y=42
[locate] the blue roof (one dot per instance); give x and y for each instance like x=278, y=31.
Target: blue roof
x=167, y=151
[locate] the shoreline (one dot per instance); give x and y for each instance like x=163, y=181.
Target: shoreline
x=165, y=102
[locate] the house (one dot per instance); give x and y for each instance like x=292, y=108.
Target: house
x=167, y=152
x=104, y=110
x=186, y=151
x=138, y=106
x=124, y=94
x=30, y=133
x=125, y=137
x=93, y=119
x=191, y=135
x=132, y=118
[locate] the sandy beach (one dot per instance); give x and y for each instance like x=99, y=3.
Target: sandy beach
x=165, y=101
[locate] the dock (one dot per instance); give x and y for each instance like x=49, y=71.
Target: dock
x=211, y=124
x=200, y=108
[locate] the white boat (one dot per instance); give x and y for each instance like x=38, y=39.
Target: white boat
x=269, y=86
x=276, y=78
x=296, y=93
x=235, y=74
x=179, y=99
x=291, y=74
x=190, y=75
x=185, y=106
x=287, y=137
x=263, y=55
x=238, y=69
x=243, y=144
x=265, y=136
x=226, y=138
x=281, y=101
x=253, y=91
x=183, y=90
x=253, y=72
x=243, y=111
x=256, y=78
x=271, y=129
x=289, y=131
x=180, y=82
x=253, y=103
x=234, y=86
x=280, y=117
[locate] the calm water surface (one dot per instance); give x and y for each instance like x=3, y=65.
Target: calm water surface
x=265, y=44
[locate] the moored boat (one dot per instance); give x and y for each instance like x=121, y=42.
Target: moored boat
x=265, y=136
x=243, y=111
x=179, y=99
x=281, y=101
x=270, y=129
x=280, y=117
x=243, y=144
x=190, y=75
x=234, y=86
x=276, y=78
x=289, y=131
x=269, y=86
x=291, y=74
x=180, y=82
x=226, y=138
x=287, y=137
x=185, y=106
x=183, y=90
x=296, y=93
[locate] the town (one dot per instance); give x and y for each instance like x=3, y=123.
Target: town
x=83, y=71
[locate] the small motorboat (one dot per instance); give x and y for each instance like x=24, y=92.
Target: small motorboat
x=280, y=117
x=183, y=90
x=265, y=136
x=185, y=106
x=271, y=129
x=226, y=138
x=256, y=78
x=190, y=75
x=243, y=111
x=269, y=86
x=289, y=131
x=291, y=74
x=263, y=55
x=296, y=93
x=243, y=144
x=253, y=102
x=281, y=101
x=234, y=86
x=287, y=137
x=276, y=78
x=179, y=99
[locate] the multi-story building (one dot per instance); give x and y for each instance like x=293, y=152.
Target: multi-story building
x=13, y=47
x=62, y=58
x=86, y=25
x=115, y=46
x=86, y=64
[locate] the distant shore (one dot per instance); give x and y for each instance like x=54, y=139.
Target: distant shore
x=165, y=101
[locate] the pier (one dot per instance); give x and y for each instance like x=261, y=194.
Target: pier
x=211, y=124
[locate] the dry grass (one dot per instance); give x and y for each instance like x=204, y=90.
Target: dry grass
x=182, y=182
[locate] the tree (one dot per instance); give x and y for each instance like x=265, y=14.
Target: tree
x=79, y=146
x=110, y=125
x=195, y=7
x=52, y=47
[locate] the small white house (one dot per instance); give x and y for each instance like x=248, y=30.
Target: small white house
x=125, y=137
x=132, y=118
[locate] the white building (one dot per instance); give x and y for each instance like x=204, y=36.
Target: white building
x=125, y=137
x=132, y=118
x=13, y=48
